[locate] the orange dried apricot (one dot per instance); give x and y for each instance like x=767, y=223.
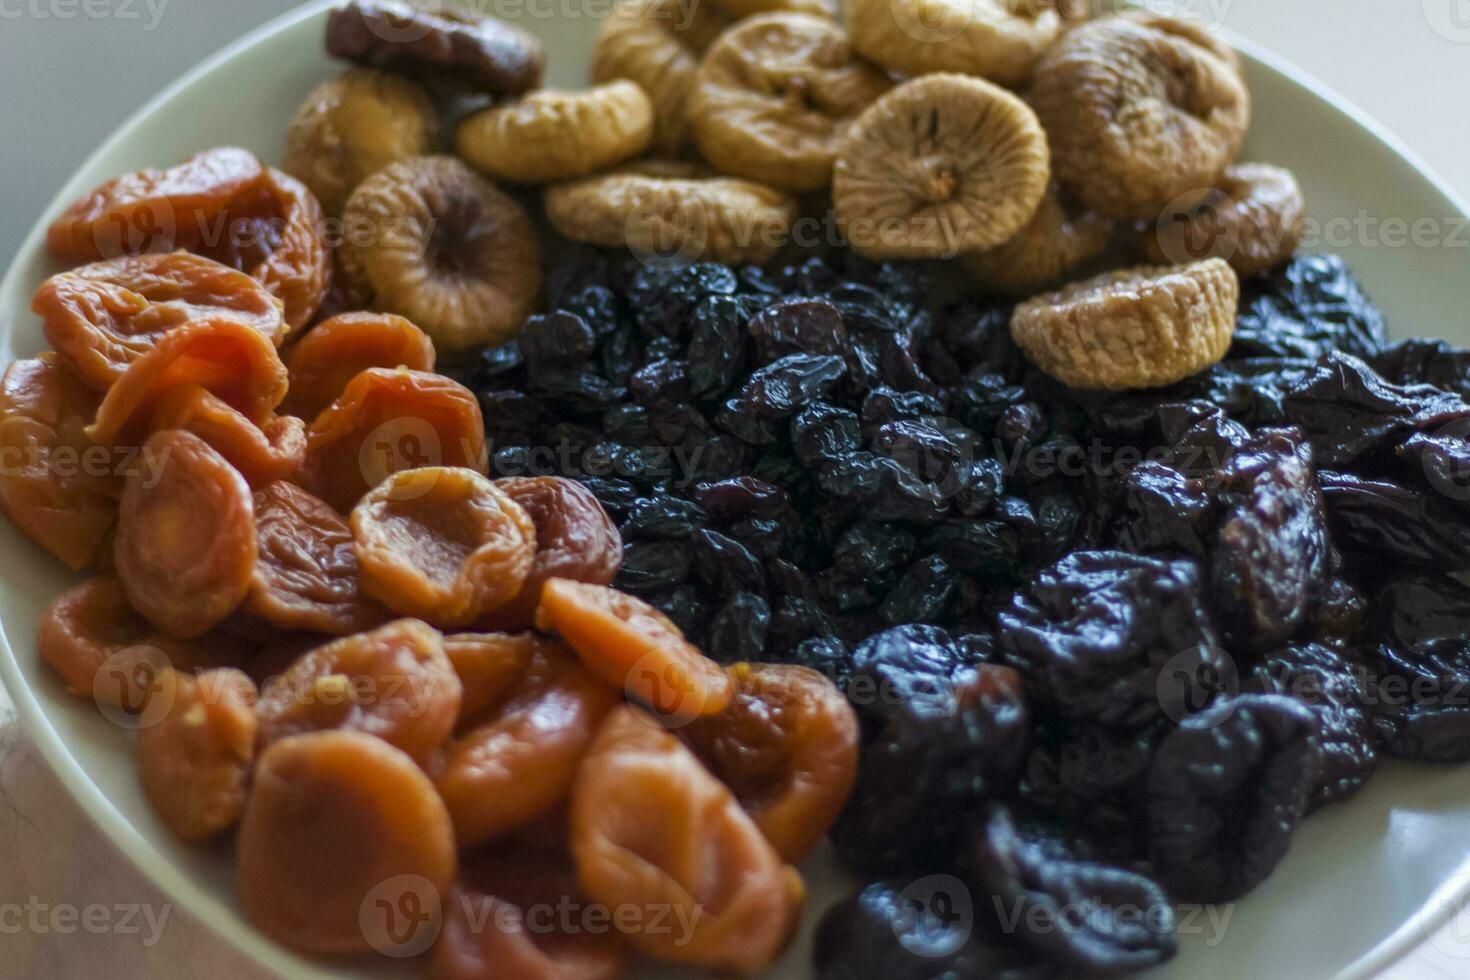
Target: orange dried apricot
x=636, y=648
x=185, y=547
x=262, y=453
x=154, y=210
x=787, y=746
x=104, y=316
x=393, y=683
x=652, y=828
x=335, y=351
x=195, y=762
x=575, y=539
x=386, y=421
x=341, y=831
x=488, y=665
x=446, y=545
x=519, y=758
x=306, y=569
x=56, y=485
x=91, y=629
x=232, y=361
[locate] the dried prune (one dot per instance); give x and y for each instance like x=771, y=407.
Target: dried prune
x=332, y=816
x=1256, y=757
x=1308, y=308
x=652, y=827
x=1420, y=360
x=446, y=545
x=394, y=683
x=1389, y=519
x=185, y=547
x=274, y=450
x=332, y=353
x=1093, y=632
x=1159, y=510
x=1093, y=776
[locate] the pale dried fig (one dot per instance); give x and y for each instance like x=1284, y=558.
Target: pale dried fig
x=942, y=164
x=1252, y=218
x=1134, y=328
x=776, y=94
x=1058, y=239
x=354, y=125
x=716, y=219
x=1138, y=114
x=750, y=8
x=434, y=242
x=553, y=135
x=657, y=44
x=995, y=39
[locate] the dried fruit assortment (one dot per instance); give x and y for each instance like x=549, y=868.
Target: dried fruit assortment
x=1038, y=579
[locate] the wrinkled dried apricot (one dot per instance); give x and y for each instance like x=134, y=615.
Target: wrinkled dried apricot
x=634, y=647
x=104, y=316
x=185, y=547
x=90, y=628
x=444, y=544
x=234, y=362
x=386, y=421
x=335, y=351
x=787, y=746
x=519, y=757
x=489, y=666
x=340, y=831
x=501, y=923
x=262, y=453
x=652, y=828
x=393, y=683
x=56, y=485
x=306, y=571
x=195, y=762
x=575, y=539
x=154, y=210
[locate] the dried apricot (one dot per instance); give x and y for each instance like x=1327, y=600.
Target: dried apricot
x=185, y=546
x=154, y=210
x=652, y=828
x=103, y=650
x=393, y=683
x=306, y=571
x=519, y=757
x=104, y=316
x=342, y=830
x=236, y=363
x=56, y=484
x=262, y=453
x=489, y=665
x=386, y=421
x=575, y=539
x=335, y=351
x=195, y=762
x=446, y=545
x=634, y=647
x=787, y=746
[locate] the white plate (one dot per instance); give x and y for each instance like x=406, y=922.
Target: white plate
x=1365, y=881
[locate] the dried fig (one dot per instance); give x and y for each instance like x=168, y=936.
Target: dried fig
x=1058, y=239
x=185, y=547
x=354, y=125
x=996, y=39
x=56, y=484
x=386, y=421
x=445, y=545
x=1135, y=328
x=195, y=762
x=1138, y=113
x=739, y=9
x=553, y=135
x=437, y=42
x=436, y=243
x=940, y=165
x=776, y=94
x=653, y=828
x=306, y=570
x=716, y=219
x=263, y=454
x=1252, y=218
x=335, y=820
x=104, y=316
x=335, y=351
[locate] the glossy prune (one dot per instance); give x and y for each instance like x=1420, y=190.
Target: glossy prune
x=1308, y=308
x=1398, y=522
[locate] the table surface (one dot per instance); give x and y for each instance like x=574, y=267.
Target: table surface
x=69, y=904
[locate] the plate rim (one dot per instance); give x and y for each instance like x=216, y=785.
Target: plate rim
x=202, y=903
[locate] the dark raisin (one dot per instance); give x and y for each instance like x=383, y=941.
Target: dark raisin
x=739, y=628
